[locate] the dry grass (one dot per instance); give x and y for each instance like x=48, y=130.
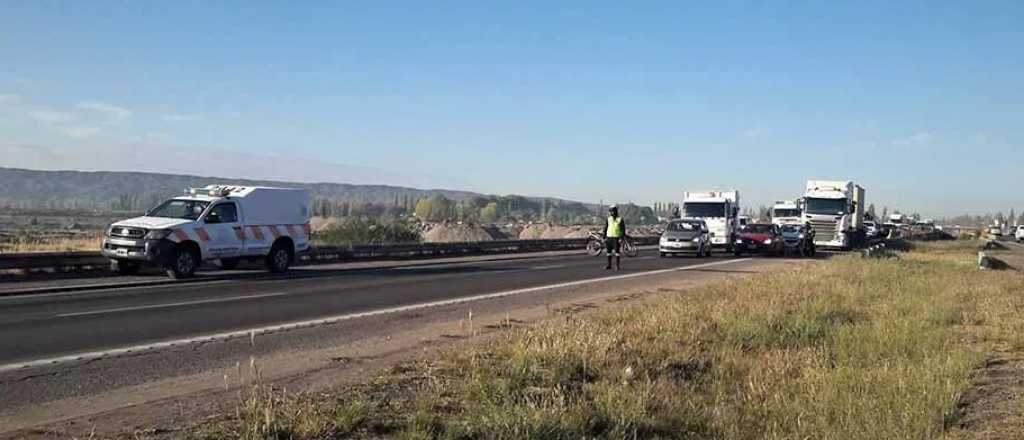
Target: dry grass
x=847, y=349
x=29, y=244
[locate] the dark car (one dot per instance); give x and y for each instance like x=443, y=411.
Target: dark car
x=759, y=238
x=685, y=236
x=798, y=239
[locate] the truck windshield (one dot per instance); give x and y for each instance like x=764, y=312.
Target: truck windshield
x=183, y=209
x=779, y=213
x=704, y=209
x=826, y=206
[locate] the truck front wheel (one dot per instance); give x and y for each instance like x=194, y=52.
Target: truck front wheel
x=183, y=264
x=279, y=258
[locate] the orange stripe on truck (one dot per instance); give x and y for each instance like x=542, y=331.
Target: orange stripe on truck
x=239, y=233
x=274, y=231
x=203, y=236
x=291, y=231
x=257, y=232
x=180, y=235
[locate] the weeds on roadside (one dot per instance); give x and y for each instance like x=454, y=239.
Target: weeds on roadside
x=845, y=349
x=29, y=244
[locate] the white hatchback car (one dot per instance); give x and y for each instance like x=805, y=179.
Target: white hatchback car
x=1019, y=235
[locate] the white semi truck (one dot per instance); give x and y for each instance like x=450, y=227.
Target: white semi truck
x=720, y=211
x=786, y=212
x=216, y=222
x=835, y=210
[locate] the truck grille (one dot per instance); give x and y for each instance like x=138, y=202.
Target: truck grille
x=824, y=230
x=127, y=232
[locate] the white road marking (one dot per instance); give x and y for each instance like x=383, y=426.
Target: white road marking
x=167, y=305
x=99, y=288
x=552, y=266
x=429, y=266
x=339, y=318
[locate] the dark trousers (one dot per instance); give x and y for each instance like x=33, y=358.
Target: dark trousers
x=612, y=246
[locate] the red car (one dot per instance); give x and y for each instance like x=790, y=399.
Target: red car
x=760, y=238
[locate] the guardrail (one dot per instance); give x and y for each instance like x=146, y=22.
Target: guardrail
x=333, y=254
x=44, y=260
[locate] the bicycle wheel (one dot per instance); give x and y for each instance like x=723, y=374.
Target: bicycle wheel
x=629, y=248
x=594, y=248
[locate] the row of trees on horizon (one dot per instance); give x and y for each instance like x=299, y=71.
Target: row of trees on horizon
x=486, y=209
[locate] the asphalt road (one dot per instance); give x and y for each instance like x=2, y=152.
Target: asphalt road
x=36, y=330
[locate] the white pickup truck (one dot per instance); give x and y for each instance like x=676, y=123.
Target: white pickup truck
x=216, y=222
x=1019, y=234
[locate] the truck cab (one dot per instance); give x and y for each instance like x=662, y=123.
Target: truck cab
x=216, y=222
x=719, y=210
x=786, y=212
x=835, y=210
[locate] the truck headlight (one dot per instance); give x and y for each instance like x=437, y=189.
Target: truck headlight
x=801, y=235
x=768, y=241
x=158, y=234
x=696, y=239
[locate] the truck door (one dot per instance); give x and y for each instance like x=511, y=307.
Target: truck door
x=224, y=234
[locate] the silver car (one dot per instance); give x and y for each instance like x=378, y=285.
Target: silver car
x=685, y=236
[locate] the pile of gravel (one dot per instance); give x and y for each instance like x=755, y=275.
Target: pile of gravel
x=548, y=231
x=455, y=233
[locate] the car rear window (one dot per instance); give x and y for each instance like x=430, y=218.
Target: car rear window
x=758, y=229
x=683, y=226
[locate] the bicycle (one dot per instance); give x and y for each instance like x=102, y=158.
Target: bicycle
x=596, y=246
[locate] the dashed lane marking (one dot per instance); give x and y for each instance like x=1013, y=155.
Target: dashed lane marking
x=550, y=266
x=168, y=305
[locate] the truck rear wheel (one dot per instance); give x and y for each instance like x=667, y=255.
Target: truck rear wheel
x=279, y=258
x=183, y=264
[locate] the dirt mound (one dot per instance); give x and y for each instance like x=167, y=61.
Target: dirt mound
x=532, y=232
x=318, y=224
x=545, y=232
x=566, y=232
x=497, y=233
x=454, y=233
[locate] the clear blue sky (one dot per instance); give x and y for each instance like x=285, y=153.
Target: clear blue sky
x=923, y=102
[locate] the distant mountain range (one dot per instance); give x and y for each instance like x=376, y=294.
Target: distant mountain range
x=106, y=190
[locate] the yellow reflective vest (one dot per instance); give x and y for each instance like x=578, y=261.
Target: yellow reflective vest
x=615, y=229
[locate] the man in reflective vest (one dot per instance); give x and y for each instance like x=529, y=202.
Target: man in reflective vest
x=614, y=231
